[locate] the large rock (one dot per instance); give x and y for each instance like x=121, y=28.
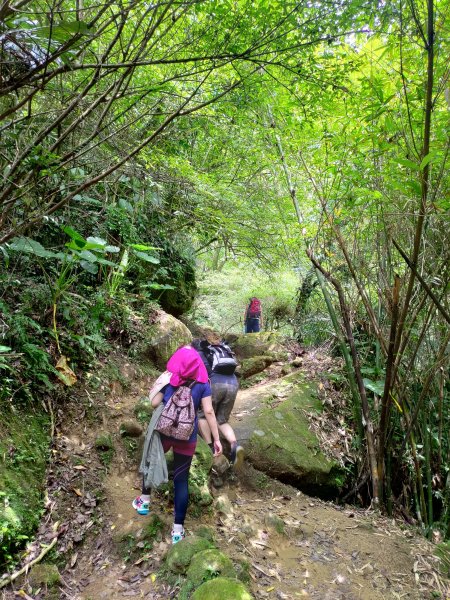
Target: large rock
x=180, y=555
x=223, y=588
x=277, y=439
x=207, y=562
x=252, y=366
x=166, y=335
x=265, y=343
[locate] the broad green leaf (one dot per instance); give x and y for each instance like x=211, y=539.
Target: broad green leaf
x=147, y=257
x=89, y=267
x=88, y=255
x=76, y=237
x=125, y=205
x=29, y=246
x=374, y=386
x=96, y=241
x=104, y=261
x=427, y=159
x=5, y=349
x=159, y=286
x=408, y=163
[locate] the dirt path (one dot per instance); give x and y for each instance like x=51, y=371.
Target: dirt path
x=296, y=546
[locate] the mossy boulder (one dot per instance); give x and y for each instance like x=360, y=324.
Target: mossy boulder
x=254, y=365
x=207, y=564
x=199, y=474
x=180, y=555
x=265, y=343
x=165, y=336
x=278, y=440
x=44, y=575
x=205, y=532
x=222, y=588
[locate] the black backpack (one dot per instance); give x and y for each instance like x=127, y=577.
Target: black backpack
x=221, y=359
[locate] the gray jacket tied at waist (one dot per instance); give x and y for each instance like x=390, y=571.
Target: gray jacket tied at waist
x=153, y=463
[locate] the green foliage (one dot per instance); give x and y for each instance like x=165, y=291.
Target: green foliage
x=131, y=547
x=24, y=448
x=224, y=296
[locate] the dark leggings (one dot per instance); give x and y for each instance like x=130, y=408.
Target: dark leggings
x=181, y=466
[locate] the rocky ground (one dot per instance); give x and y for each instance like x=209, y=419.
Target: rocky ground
x=293, y=545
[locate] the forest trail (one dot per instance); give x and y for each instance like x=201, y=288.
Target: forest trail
x=296, y=546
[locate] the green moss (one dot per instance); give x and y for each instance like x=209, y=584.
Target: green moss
x=205, y=532
x=180, y=555
x=209, y=564
x=131, y=447
x=143, y=411
x=254, y=365
x=104, y=442
x=105, y=448
x=199, y=475
x=132, y=546
x=153, y=528
x=221, y=587
x=242, y=569
x=24, y=447
x=282, y=444
x=44, y=575
x=258, y=344
x=276, y=522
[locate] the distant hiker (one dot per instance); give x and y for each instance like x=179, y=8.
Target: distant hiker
x=253, y=316
x=177, y=404
x=221, y=364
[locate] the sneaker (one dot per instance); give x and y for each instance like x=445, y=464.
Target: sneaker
x=140, y=506
x=177, y=537
x=238, y=458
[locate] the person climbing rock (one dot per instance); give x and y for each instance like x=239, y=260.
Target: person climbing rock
x=253, y=316
x=221, y=364
x=188, y=380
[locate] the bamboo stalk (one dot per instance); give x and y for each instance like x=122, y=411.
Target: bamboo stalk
x=386, y=400
x=348, y=361
x=367, y=422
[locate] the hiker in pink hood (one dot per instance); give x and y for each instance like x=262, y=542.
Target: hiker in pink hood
x=186, y=370
x=186, y=364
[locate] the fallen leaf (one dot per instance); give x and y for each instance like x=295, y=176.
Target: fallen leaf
x=79, y=468
x=65, y=373
x=73, y=560
x=77, y=492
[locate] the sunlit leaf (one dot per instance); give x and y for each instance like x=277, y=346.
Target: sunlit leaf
x=377, y=387
x=147, y=257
